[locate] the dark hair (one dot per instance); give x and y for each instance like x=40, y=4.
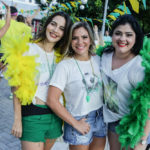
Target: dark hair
x=129, y=19
x=20, y=18
x=85, y=25
x=13, y=10
x=62, y=44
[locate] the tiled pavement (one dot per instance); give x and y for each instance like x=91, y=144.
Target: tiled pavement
x=7, y=141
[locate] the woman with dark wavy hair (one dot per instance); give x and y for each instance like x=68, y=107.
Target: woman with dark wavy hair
x=35, y=124
x=121, y=72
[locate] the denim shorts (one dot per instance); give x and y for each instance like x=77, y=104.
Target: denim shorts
x=112, y=126
x=148, y=139
x=97, y=129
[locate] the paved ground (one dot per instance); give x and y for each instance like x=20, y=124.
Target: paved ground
x=7, y=141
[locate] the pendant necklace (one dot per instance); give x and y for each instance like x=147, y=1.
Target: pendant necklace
x=83, y=78
x=51, y=71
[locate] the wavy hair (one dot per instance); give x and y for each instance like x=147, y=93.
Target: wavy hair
x=129, y=19
x=62, y=43
x=70, y=52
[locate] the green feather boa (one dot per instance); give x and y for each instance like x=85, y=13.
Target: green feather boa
x=131, y=127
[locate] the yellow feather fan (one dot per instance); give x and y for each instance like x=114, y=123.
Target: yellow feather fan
x=21, y=70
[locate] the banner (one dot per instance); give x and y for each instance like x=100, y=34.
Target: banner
x=135, y=5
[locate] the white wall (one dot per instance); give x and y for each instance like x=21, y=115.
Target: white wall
x=24, y=1
x=23, y=4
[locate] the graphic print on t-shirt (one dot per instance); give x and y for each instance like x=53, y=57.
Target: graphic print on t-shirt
x=91, y=82
x=110, y=92
x=44, y=74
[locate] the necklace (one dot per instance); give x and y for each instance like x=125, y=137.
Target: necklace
x=52, y=68
x=84, y=81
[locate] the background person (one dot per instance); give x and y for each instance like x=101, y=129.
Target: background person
x=14, y=12
x=3, y=31
x=16, y=28
x=98, y=37
x=20, y=18
x=107, y=37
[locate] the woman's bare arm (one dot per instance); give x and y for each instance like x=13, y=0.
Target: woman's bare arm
x=4, y=29
x=53, y=102
x=17, y=125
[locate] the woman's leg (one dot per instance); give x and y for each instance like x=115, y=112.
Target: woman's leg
x=49, y=144
x=113, y=139
x=26, y=145
x=98, y=143
x=99, y=132
x=114, y=143
x=78, y=147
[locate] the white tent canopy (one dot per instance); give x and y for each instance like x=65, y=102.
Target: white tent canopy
x=26, y=5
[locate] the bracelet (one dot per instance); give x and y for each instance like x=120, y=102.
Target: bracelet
x=143, y=142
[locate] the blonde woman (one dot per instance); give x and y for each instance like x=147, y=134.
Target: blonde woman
x=80, y=80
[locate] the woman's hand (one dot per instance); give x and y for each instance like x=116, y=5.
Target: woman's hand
x=95, y=28
x=7, y=7
x=17, y=128
x=82, y=126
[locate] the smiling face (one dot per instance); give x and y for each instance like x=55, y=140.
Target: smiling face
x=123, y=39
x=55, y=29
x=81, y=42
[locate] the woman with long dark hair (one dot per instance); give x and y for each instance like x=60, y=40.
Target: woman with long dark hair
x=35, y=124
x=121, y=72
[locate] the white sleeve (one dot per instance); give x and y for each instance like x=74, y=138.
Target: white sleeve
x=97, y=59
x=60, y=76
x=32, y=50
x=136, y=75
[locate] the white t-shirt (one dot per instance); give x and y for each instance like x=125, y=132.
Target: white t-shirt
x=68, y=78
x=118, y=84
x=45, y=68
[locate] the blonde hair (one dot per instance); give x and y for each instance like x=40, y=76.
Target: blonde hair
x=69, y=51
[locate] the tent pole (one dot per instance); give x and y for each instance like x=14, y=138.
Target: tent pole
x=104, y=17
